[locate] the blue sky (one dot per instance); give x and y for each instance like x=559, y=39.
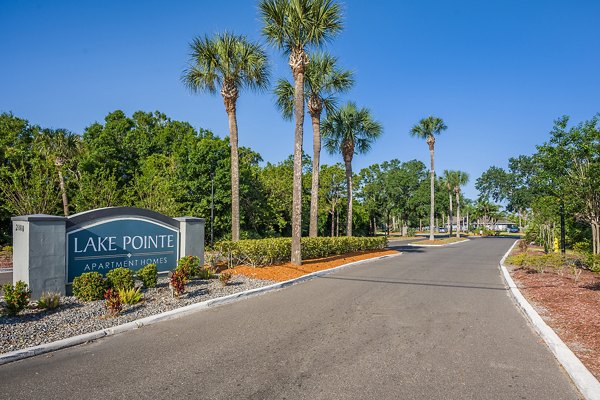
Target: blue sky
x=497, y=72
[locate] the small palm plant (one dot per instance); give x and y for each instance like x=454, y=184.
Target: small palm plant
x=348, y=131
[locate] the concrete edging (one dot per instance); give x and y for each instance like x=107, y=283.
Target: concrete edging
x=167, y=315
x=437, y=245
x=583, y=379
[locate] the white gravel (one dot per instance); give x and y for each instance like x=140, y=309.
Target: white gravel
x=33, y=327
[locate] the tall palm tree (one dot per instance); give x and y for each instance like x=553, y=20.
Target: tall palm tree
x=461, y=179
x=449, y=181
x=349, y=131
x=323, y=80
x=228, y=63
x=295, y=25
x=426, y=129
x=60, y=146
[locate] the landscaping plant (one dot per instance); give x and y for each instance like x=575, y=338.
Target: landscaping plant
x=89, y=286
x=148, y=275
x=130, y=296
x=16, y=297
x=177, y=283
x=49, y=301
x=224, y=278
x=113, y=302
x=189, y=266
x=120, y=278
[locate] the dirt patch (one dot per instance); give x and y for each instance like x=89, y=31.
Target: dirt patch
x=571, y=308
x=284, y=272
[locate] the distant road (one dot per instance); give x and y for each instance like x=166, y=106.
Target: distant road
x=433, y=323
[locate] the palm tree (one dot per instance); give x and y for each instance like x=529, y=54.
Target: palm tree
x=426, y=129
x=448, y=180
x=323, y=80
x=294, y=25
x=228, y=63
x=348, y=131
x=460, y=179
x=60, y=146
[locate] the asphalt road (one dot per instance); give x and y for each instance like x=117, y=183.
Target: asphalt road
x=433, y=323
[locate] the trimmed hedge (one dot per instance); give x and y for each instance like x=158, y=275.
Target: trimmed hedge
x=262, y=252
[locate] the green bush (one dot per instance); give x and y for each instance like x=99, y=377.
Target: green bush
x=89, y=286
x=16, y=297
x=148, y=275
x=49, y=301
x=541, y=262
x=130, y=296
x=263, y=252
x=205, y=273
x=120, y=278
x=189, y=266
x=8, y=249
x=411, y=232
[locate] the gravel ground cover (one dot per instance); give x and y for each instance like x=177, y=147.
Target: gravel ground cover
x=33, y=327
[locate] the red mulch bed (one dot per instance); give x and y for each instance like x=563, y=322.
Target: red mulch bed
x=570, y=308
x=288, y=271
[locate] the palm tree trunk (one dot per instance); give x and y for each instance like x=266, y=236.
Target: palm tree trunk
x=296, y=258
x=333, y=221
x=450, y=216
x=348, y=163
x=457, y=214
x=235, y=175
x=63, y=191
x=314, y=194
x=432, y=209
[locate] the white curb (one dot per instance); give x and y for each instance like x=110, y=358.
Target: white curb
x=167, y=315
x=436, y=245
x=587, y=384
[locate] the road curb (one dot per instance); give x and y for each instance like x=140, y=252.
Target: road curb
x=437, y=245
x=168, y=315
x=583, y=379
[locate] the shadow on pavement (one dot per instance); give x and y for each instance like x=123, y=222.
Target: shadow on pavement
x=415, y=283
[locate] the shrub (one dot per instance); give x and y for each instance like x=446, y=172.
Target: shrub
x=224, y=278
x=120, y=278
x=205, y=273
x=177, y=282
x=113, y=302
x=8, y=249
x=49, y=301
x=523, y=246
x=130, y=296
x=263, y=252
x=89, y=286
x=16, y=297
x=411, y=232
x=148, y=275
x=189, y=266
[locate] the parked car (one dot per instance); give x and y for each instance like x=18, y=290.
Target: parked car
x=441, y=229
x=513, y=229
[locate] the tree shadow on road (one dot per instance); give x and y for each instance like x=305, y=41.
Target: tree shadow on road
x=417, y=283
